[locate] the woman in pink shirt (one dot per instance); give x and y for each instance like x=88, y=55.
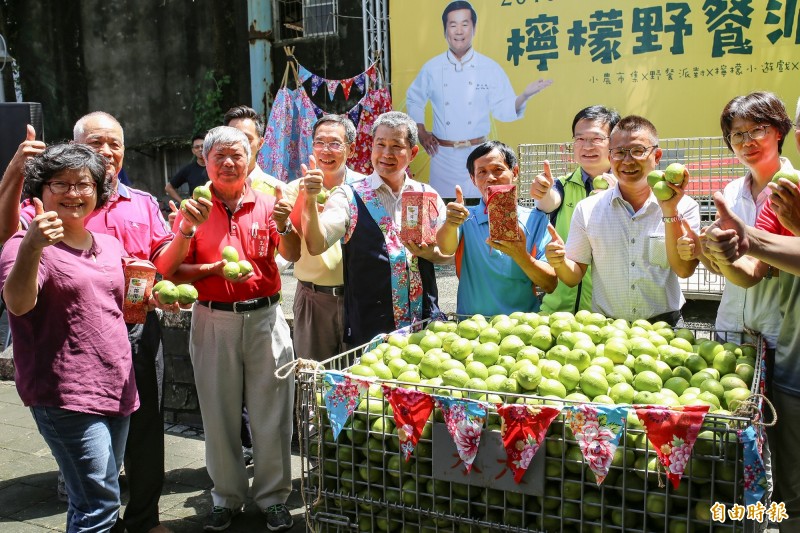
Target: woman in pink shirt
x=63, y=287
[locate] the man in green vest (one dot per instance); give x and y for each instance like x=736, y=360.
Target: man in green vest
x=591, y=129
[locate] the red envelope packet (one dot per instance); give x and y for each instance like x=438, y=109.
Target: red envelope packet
x=139, y=278
x=418, y=222
x=502, y=209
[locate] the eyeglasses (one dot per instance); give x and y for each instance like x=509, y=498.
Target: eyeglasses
x=84, y=188
x=756, y=133
x=637, y=152
x=333, y=147
x=597, y=141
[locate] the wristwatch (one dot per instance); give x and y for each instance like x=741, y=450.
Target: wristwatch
x=667, y=220
x=288, y=229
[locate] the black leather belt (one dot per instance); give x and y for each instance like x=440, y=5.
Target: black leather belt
x=243, y=306
x=338, y=290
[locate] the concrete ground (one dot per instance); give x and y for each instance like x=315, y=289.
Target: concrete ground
x=28, y=476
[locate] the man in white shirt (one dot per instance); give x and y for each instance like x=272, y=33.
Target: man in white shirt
x=319, y=298
x=464, y=89
x=388, y=283
x=628, y=236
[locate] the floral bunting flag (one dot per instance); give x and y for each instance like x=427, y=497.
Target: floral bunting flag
x=303, y=73
x=332, y=85
x=360, y=81
x=411, y=411
x=342, y=398
x=755, y=476
x=597, y=429
x=371, y=73
x=672, y=432
x=464, y=420
x=354, y=114
x=346, y=86
x=316, y=82
x=317, y=110
x=523, y=429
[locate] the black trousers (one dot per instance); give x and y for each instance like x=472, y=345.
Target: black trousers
x=144, y=451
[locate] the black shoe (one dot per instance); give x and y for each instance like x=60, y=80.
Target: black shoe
x=219, y=519
x=278, y=518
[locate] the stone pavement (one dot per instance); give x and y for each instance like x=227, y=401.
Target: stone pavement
x=28, y=475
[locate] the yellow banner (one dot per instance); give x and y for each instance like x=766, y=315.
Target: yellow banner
x=676, y=63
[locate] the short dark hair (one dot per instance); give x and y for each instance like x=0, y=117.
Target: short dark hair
x=488, y=146
x=68, y=156
x=633, y=123
x=242, y=112
x=200, y=136
x=456, y=6
x=346, y=123
x=597, y=113
x=762, y=107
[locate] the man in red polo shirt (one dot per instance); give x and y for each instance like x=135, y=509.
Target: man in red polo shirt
x=239, y=335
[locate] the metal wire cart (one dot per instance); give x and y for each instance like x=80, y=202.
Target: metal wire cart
x=361, y=482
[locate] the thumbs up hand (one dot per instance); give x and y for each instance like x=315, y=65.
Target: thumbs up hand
x=457, y=214
x=688, y=244
x=542, y=183
x=45, y=229
x=726, y=240
x=27, y=149
x=281, y=211
x=312, y=183
x=555, y=251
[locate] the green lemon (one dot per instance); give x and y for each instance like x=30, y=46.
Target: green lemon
x=202, y=191
x=187, y=294
x=231, y=270
x=245, y=267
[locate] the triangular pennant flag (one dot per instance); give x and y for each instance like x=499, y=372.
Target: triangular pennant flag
x=411, y=411
x=342, y=398
x=332, y=85
x=316, y=81
x=755, y=476
x=370, y=72
x=354, y=114
x=360, y=80
x=303, y=73
x=317, y=110
x=464, y=420
x=523, y=430
x=346, y=85
x=597, y=429
x=672, y=432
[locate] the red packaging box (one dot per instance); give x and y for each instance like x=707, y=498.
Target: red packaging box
x=139, y=278
x=419, y=216
x=502, y=209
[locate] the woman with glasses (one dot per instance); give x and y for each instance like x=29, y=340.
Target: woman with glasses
x=63, y=287
x=754, y=128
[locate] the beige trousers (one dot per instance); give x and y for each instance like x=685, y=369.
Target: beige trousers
x=235, y=356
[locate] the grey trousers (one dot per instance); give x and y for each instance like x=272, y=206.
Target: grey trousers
x=318, y=324
x=235, y=356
